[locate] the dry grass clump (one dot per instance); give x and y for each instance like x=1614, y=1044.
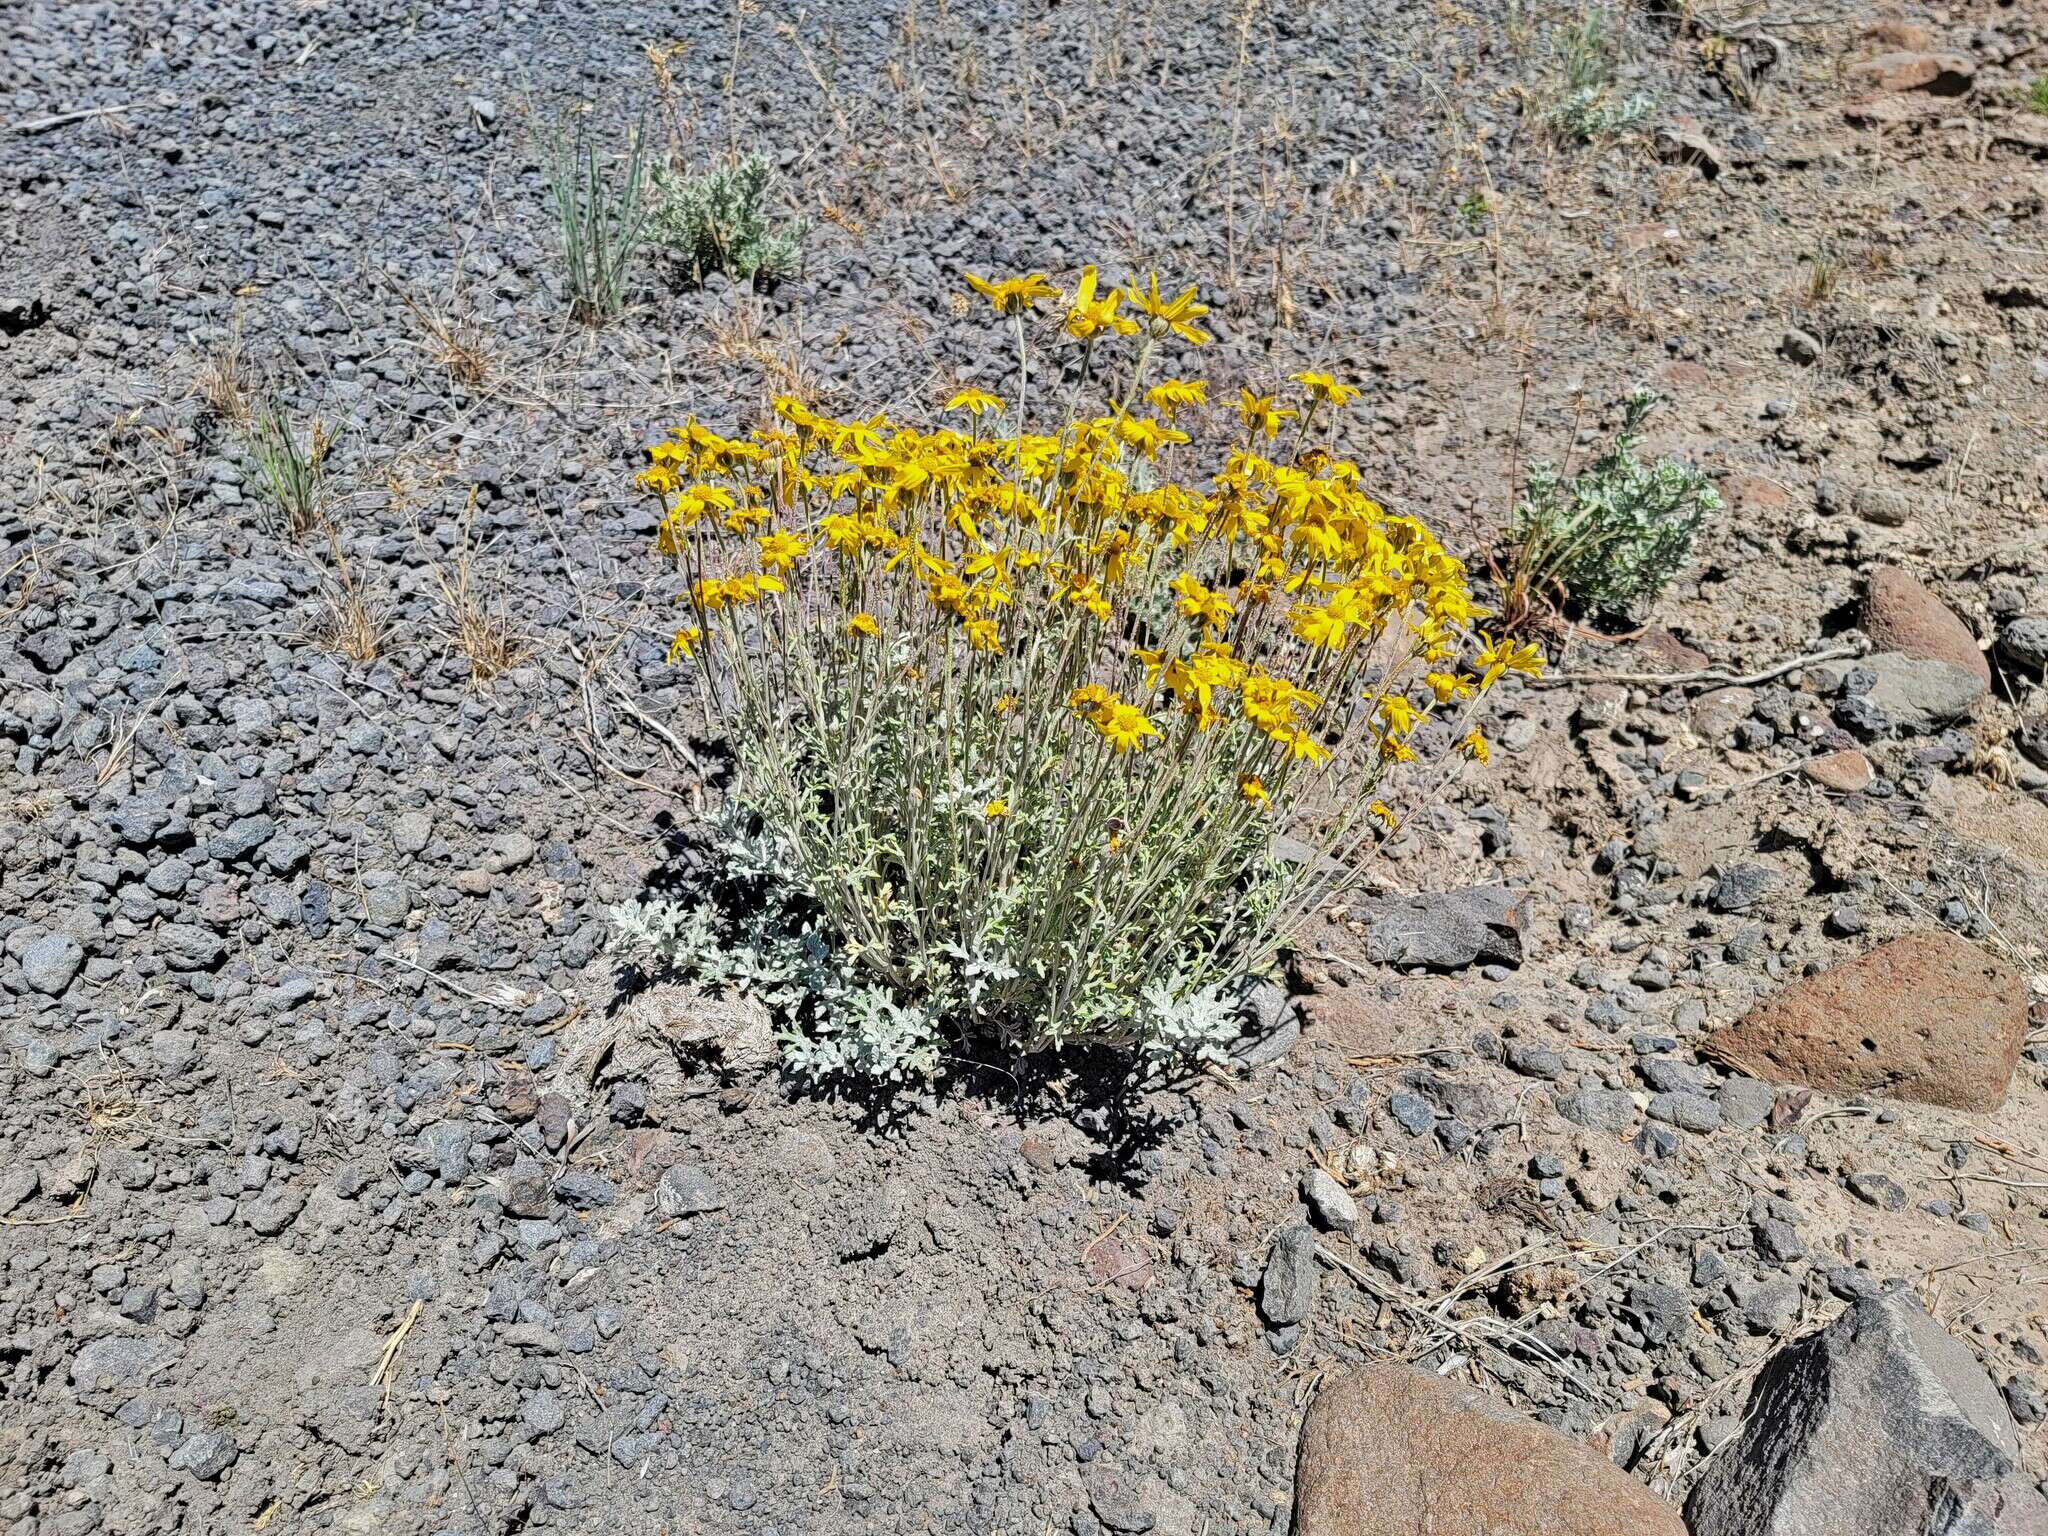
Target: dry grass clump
x=480, y=623
x=293, y=467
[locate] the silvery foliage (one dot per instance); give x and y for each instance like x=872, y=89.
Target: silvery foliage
x=1595, y=112
x=1185, y=1025
x=743, y=920
x=1620, y=530
x=749, y=925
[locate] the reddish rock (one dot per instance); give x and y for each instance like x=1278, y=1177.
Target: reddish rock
x=1753, y=493
x=1938, y=74
x=1929, y=1017
x=1899, y=614
x=1389, y=1449
x=1662, y=651
x=1898, y=36
x=1846, y=772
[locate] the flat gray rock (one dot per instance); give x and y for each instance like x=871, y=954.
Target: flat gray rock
x=1448, y=930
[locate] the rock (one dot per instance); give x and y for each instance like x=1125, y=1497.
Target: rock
x=1116, y=1503
x=2024, y=642
x=1800, y=347
x=271, y=1212
x=1329, y=1202
x=1883, y=506
x=1879, y=1423
x=1388, y=1448
x=1745, y=1103
x=188, y=947
x=1481, y=925
x=1938, y=74
x=50, y=962
x=1287, y=1290
x=1878, y=1190
x=1899, y=614
x=1687, y=1111
x=1271, y=1027
x=206, y=1455
x=687, y=1190
x=1919, y=696
x=1845, y=772
x=1599, y=1109
x=1683, y=144
x=116, y=1361
x=1928, y=1017
x=1741, y=886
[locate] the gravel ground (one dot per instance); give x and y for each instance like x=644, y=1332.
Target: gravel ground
x=348, y=1181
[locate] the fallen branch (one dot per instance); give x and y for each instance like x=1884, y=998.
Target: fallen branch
x=1709, y=675
x=59, y=119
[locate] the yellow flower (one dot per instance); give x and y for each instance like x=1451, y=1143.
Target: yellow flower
x=864, y=624
x=1124, y=726
x=685, y=642
x=1253, y=788
x=779, y=550
x=1474, y=746
x=1498, y=657
x=996, y=810
x=1261, y=416
x=1088, y=316
x=1176, y=315
x=1196, y=601
x=1007, y=704
x=1171, y=395
x=1384, y=814
x=1325, y=390
x=1014, y=295
x=1299, y=743
x=975, y=402
x=1089, y=698
x=982, y=635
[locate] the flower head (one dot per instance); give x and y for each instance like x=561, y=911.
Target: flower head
x=1261, y=416
x=1014, y=295
x=1176, y=316
x=975, y=402
x=1325, y=390
x=1088, y=316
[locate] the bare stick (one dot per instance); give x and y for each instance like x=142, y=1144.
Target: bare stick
x=1710, y=675
x=58, y=120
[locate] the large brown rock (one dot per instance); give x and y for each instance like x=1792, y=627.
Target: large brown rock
x=1899, y=614
x=1928, y=1017
x=1938, y=74
x=1392, y=1451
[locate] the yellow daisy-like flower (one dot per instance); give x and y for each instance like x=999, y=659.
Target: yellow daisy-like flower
x=685, y=643
x=1253, y=788
x=1014, y=295
x=1325, y=390
x=1474, y=746
x=779, y=551
x=1300, y=744
x=1381, y=812
x=1261, y=416
x=975, y=402
x=1171, y=395
x=983, y=635
x=1124, y=726
x=996, y=810
x=1088, y=316
x=864, y=624
x=1176, y=316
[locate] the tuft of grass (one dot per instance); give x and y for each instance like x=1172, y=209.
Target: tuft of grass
x=600, y=216
x=1823, y=276
x=480, y=625
x=352, y=623
x=718, y=222
x=454, y=338
x=223, y=384
x=2037, y=95
x=294, y=471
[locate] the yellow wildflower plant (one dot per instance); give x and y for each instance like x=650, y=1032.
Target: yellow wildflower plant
x=1026, y=706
